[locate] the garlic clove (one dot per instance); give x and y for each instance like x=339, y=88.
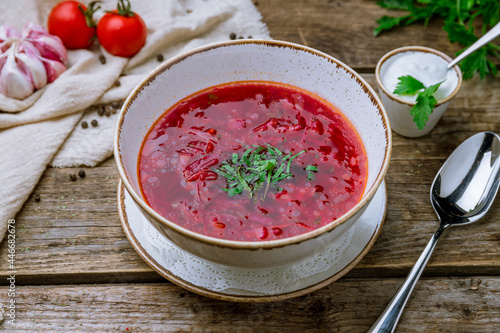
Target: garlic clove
x=3, y=59
x=8, y=34
x=50, y=47
x=15, y=82
x=31, y=62
x=5, y=45
x=33, y=30
x=54, y=68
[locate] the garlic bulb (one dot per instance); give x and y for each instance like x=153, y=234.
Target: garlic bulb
x=30, y=60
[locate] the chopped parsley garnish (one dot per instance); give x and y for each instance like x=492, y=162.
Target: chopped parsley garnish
x=257, y=167
x=311, y=169
x=425, y=102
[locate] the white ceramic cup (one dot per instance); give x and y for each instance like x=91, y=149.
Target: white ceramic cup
x=398, y=109
x=253, y=60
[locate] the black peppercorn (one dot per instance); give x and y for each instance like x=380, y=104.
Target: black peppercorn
x=232, y=36
x=37, y=197
x=72, y=176
x=102, y=59
x=84, y=124
x=100, y=110
x=81, y=173
x=117, y=83
x=159, y=57
x=94, y=123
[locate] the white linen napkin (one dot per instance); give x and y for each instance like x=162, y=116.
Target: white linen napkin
x=45, y=128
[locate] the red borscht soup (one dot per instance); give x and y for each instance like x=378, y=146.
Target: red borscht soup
x=252, y=161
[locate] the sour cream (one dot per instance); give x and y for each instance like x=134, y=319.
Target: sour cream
x=428, y=68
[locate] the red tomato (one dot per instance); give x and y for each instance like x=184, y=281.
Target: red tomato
x=122, y=32
x=73, y=23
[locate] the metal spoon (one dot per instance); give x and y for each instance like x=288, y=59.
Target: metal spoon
x=487, y=37
x=461, y=193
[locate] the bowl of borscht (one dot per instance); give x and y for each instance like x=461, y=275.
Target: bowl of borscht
x=252, y=153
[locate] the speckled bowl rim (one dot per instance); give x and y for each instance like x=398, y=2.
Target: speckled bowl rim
x=223, y=243
x=417, y=49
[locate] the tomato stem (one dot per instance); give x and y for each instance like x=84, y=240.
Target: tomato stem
x=89, y=13
x=124, y=9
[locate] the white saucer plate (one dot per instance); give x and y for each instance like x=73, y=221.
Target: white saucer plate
x=361, y=237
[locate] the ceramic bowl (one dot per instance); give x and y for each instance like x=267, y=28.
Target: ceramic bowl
x=399, y=109
x=253, y=60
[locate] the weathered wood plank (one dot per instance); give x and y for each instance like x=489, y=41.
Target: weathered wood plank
x=442, y=305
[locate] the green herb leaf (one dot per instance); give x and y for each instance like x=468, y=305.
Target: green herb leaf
x=432, y=89
x=396, y=4
x=422, y=110
x=424, y=106
x=312, y=168
x=459, y=33
x=291, y=159
x=478, y=62
x=408, y=85
x=425, y=101
x=277, y=174
x=233, y=191
x=490, y=11
x=387, y=23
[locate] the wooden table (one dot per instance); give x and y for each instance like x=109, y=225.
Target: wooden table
x=78, y=272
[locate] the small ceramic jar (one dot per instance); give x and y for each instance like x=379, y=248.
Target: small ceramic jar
x=398, y=107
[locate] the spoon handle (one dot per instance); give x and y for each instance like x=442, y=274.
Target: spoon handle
x=487, y=37
x=387, y=321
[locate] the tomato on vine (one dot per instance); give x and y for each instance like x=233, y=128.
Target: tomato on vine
x=122, y=32
x=73, y=22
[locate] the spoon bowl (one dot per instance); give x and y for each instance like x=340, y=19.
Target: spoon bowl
x=461, y=193
x=466, y=184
